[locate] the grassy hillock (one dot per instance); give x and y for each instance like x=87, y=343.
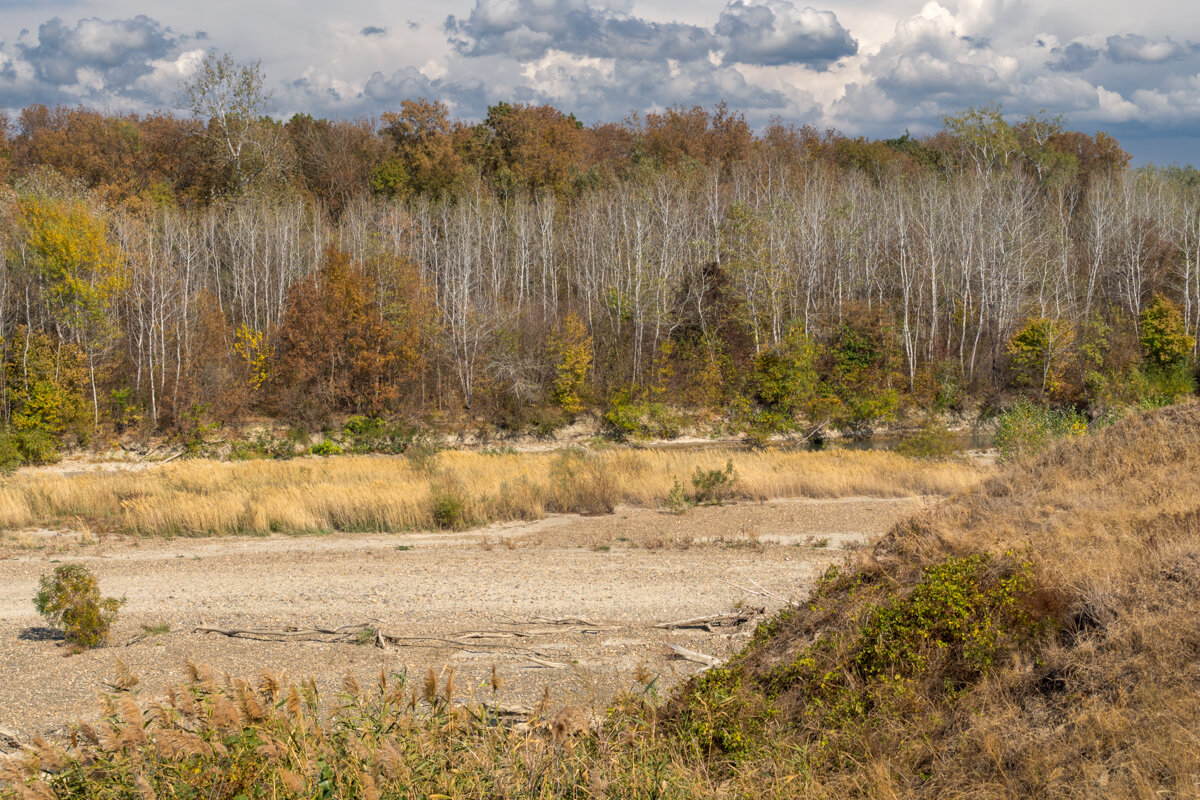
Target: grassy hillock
x=1035, y=636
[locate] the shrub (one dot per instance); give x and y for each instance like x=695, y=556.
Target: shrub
x=1027, y=428
x=10, y=453
x=37, y=446
x=714, y=486
x=326, y=448
x=677, y=500
x=1163, y=334
x=70, y=599
x=448, y=507
x=362, y=434
x=628, y=419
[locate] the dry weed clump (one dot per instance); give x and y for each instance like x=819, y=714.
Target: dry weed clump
x=385, y=493
x=224, y=739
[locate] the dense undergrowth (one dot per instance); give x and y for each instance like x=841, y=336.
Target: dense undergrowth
x=1035, y=636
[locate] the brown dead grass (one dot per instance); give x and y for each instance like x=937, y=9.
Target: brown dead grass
x=378, y=493
x=1105, y=703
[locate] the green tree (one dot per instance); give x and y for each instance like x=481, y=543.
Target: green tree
x=785, y=379
x=1163, y=335
x=1040, y=351
x=985, y=139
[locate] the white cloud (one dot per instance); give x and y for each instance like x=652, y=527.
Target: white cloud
x=865, y=66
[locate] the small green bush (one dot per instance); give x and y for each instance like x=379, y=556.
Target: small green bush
x=10, y=454
x=70, y=599
x=326, y=448
x=37, y=446
x=714, y=486
x=677, y=500
x=1027, y=428
x=628, y=419
x=449, y=508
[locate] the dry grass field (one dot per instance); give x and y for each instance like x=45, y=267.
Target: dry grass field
x=1034, y=636
x=446, y=490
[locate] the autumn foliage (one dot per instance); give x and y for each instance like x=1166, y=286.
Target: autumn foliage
x=167, y=274
x=335, y=352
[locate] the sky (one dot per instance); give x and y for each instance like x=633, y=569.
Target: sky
x=864, y=67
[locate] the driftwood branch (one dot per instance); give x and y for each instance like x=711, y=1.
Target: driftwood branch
x=712, y=621
x=369, y=634
x=696, y=657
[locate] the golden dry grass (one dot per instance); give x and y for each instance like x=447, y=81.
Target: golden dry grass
x=1105, y=703
x=383, y=493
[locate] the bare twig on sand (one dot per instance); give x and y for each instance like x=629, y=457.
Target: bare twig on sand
x=541, y=662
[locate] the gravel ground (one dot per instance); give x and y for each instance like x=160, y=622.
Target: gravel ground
x=624, y=572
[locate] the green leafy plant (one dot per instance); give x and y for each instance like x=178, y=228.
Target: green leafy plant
x=677, y=499
x=1028, y=428
x=714, y=486
x=70, y=599
x=448, y=507
x=326, y=448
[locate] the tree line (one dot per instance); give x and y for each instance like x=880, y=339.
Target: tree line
x=167, y=271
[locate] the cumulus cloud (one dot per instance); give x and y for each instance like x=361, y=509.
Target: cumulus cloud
x=133, y=64
x=1138, y=49
x=776, y=32
x=864, y=69
x=528, y=29
x=1075, y=57
x=762, y=32
x=118, y=51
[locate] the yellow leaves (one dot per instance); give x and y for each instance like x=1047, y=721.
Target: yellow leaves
x=70, y=248
x=253, y=348
x=574, y=357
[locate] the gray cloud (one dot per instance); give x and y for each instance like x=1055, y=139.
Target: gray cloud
x=1075, y=57
x=762, y=32
x=776, y=32
x=465, y=97
x=528, y=29
x=1134, y=48
x=373, y=30
x=117, y=50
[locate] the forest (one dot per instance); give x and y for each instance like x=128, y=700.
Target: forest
x=213, y=265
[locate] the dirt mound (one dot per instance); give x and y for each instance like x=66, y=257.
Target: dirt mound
x=1036, y=636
